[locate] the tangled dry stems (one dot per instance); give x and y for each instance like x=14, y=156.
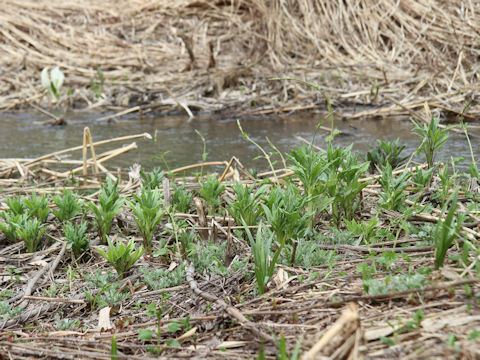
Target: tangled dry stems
x=219, y=55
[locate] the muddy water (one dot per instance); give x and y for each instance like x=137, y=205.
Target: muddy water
x=22, y=136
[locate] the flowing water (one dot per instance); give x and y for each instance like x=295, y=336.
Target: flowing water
x=176, y=139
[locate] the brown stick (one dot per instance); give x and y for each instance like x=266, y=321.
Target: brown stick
x=211, y=163
x=232, y=311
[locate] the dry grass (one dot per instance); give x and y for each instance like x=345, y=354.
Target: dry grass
x=219, y=55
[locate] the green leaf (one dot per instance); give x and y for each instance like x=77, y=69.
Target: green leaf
x=152, y=309
x=174, y=326
x=145, y=334
x=173, y=343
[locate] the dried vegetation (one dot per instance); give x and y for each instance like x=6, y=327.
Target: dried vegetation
x=394, y=56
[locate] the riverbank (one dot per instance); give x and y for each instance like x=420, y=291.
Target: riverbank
x=320, y=258
x=369, y=58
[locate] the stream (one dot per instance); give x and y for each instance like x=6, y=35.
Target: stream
x=22, y=136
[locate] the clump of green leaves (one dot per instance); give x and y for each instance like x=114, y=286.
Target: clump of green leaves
x=186, y=238
x=433, y=138
x=247, y=204
x=122, y=257
x=31, y=232
x=308, y=254
x=75, y=236
x=210, y=190
x=446, y=231
x=421, y=178
x=152, y=180
x=181, y=198
x=16, y=205
x=310, y=167
x=261, y=248
x=284, y=211
x=65, y=323
x=12, y=223
x=386, y=152
x=366, y=229
x=7, y=311
x=69, y=205
x=109, y=205
x=99, y=279
x=102, y=289
x=148, y=214
x=448, y=181
x=209, y=258
x=392, y=196
x=393, y=284
x=157, y=279
x=342, y=182
x=37, y=206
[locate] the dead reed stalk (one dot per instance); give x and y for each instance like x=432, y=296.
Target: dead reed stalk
x=214, y=55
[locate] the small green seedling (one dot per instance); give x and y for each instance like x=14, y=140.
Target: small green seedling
x=446, y=231
x=422, y=178
x=152, y=180
x=121, y=257
x=11, y=225
x=261, y=247
x=31, y=232
x=37, y=206
x=247, y=203
x=342, y=182
x=210, y=190
x=16, y=205
x=433, y=138
x=75, y=236
x=148, y=214
x=284, y=211
x=386, y=152
x=310, y=167
x=68, y=205
x=109, y=206
x=181, y=198
x=392, y=196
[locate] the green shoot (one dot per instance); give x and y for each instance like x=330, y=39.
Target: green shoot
x=181, y=198
x=68, y=205
x=75, y=236
x=110, y=204
x=261, y=247
x=446, y=231
x=31, y=232
x=148, y=214
x=121, y=257
x=433, y=138
x=210, y=190
x=37, y=206
x=247, y=203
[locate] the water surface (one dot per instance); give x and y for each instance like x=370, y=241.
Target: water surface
x=21, y=136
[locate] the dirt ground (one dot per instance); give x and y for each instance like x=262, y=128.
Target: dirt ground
x=344, y=299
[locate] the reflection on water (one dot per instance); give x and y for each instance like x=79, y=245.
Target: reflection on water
x=176, y=138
